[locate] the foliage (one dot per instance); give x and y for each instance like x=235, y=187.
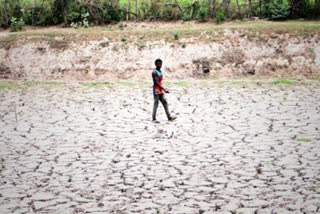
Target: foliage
x=16, y=25
x=202, y=15
x=220, y=14
x=278, y=10
x=88, y=12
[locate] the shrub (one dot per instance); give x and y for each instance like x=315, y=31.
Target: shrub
x=16, y=25
x=175, y=35
x=220, y=14
x=202, y=15
x=278, y=10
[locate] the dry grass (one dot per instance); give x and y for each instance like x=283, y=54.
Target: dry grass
x=205, y=32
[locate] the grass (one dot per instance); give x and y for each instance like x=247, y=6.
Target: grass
x=281, y=81
x=125, y=83
x=95, y=84
x=35, y=83
x=315, y=78
x=7, y=85
x=182, y=83
x=306, y=140
x=172, y=32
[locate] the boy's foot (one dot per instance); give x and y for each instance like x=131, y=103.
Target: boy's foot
x=172, y=118
x=155, y=121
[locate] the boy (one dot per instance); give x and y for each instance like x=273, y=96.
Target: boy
x=158, y=92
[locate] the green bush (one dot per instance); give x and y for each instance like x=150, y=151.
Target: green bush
x=309, y=9
x=278, y=10
x=220, y=15
x=16, y=25
x=202, y=15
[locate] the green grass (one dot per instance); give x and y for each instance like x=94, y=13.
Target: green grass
x=306, y=140
x=281, y=81
x=238, y=82
x=7, y=85
x=35, y=83
x=315, y=78
x=125, y=83
x=89, y=198
x=95, y=84
x=182, y=83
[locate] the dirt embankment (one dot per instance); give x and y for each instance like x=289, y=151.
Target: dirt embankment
x=221, y=53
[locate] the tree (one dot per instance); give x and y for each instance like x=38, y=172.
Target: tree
x=135, y=8
x=128, y=10
x=5, y=10
x=33, y=11
x=238, y=8
x=249, y=9
x=212, y=5
x=295, y=6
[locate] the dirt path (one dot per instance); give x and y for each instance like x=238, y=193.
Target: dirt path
x=233, y=149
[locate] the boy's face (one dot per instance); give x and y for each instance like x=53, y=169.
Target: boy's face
x=159, y=65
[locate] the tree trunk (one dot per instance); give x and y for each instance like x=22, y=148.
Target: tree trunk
x=192, y=8
x=135, y=8
x=260, y=7
x=212, y=7
x=238, y=8
x=201, y=6
x=249, y=10
x=295, y=6
x=128, y=9
x=62, y=10
x=5, y=10
x=34, y=7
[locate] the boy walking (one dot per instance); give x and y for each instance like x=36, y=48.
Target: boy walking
x=158, y=92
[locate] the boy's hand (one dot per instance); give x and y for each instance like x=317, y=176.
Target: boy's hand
x=165, y=90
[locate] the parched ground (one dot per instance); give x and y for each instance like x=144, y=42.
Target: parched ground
x=236, y=147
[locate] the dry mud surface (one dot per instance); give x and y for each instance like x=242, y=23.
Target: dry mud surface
x=233, y=149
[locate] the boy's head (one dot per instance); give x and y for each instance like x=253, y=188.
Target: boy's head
x=158, y=63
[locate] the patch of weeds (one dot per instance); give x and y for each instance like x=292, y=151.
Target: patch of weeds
x=306, y=140
x=315, y=78
x=123, y=39
x=126, y=83
x=8, y=85
x=204, y=83
x=121, y=26
x=69, y=176
x=115, y=48
x=34, y=83
x=104, y=44
x=183, y=45
x=281, y=81
x=182, y=83
x=314, y=188
x=237, y=82
x=53, y=186
x=140, y=45
x=299, y=172
x=89, y=198
x=59, y=44
x=175, y=36
x=95, y=84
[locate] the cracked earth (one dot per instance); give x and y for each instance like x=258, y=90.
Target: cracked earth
x=252, y=148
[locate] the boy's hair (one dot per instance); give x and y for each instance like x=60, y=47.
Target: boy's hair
x=157, y=60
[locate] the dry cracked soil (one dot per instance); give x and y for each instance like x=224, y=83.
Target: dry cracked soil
x=235, y=148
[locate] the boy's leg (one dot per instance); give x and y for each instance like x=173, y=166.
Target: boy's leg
x=155, y=106
x=165, y=105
